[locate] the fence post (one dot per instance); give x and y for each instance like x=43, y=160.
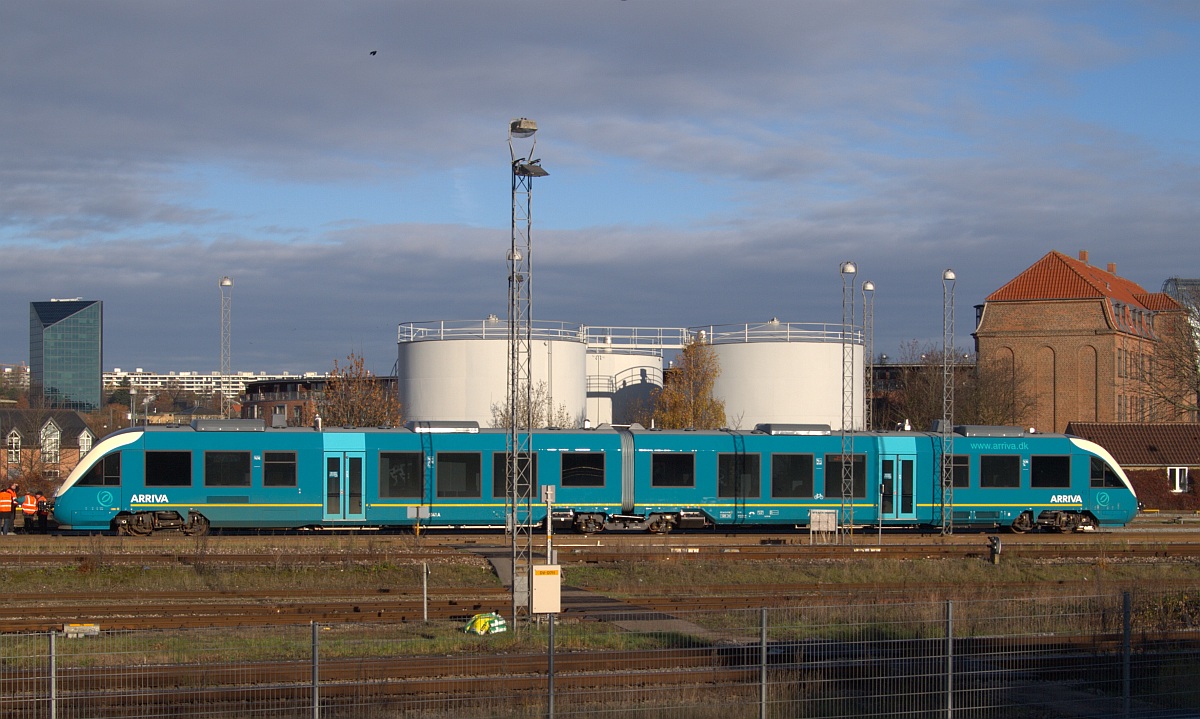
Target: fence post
x=1126, y=631
x=762, y=666
x=316, y=675
x=949, y=659
x=53, y=677
x=550, y=669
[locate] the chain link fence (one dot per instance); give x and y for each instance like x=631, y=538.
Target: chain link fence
x=1117, y=655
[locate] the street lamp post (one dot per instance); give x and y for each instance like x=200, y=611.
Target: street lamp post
x=519, y=494
x=848, y=271
x=868, y=291
x=226, y=285
x=948, y=280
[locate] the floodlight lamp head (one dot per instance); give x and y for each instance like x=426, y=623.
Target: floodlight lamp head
x=868, y=286
x=225, y=281
x=948, y=275
x=522, y=127
x=849, y=269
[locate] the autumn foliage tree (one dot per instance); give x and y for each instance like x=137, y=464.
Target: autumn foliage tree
x=686, y=399
x=355, y=397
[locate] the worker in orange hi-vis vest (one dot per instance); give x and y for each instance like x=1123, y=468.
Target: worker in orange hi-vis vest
x=29, y=510
x=8, y=498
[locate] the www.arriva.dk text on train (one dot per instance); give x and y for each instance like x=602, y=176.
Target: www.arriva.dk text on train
x=242, y=474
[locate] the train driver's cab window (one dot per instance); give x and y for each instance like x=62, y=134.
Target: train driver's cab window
x=168, y=469
x=961, y=471
x=1002, y=470
x=1047, y=472
x=791, y=475
x=279, y=469
x=582, y=469
x=673, y=469
x=500, y=474
x=226, y=469
x=738, y=475
x=1103, y=475
x=105, y=473
x=833, y=475
x=400, y=475
x=458, y=474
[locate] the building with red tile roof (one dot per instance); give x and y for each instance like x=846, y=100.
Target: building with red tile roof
x=1162, y=459
x=1078, y=340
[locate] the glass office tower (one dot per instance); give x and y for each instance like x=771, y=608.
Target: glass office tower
x=65, y=360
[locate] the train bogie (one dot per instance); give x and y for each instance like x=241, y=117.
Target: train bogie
x=234, y=474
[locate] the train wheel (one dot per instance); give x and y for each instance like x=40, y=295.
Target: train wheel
x=1022, y=524
x=660, y=525
x=197, y=525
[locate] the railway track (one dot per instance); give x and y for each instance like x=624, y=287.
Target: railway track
x=22, y=612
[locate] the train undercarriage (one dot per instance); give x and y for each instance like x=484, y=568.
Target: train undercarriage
x=141, y=524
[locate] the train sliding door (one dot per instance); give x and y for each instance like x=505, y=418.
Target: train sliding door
x=344, y=485
x=896, y=479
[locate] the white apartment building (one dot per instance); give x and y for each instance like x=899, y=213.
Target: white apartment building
x=202, y=384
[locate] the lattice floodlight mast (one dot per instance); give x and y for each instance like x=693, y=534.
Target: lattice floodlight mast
x=226, y=285
x=948, y=279
x=846, y=523
x=519, y=468
x=868, y=290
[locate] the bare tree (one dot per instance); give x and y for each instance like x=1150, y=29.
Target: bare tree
x=544, y=415
x=1170, y=376
x=988, y=392
x=355, y=397
x=686, y=397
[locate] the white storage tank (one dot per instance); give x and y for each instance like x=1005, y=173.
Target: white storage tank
x=620, y=382
x=458, y=370
x=781, y=372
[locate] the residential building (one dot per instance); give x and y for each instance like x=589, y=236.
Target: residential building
x=1162, y=460
x=199, y=383
x=1080, y=339
x=65, y=353
x=42, y=446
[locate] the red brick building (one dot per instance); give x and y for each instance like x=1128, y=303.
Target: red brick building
x=1081, y=339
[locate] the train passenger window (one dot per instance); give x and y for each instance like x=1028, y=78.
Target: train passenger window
x=833, y=475
x=1103, y=475
x=168, y=469
x=1050, y=471
x=401, y=476
x=738, y=475
x=226, y=469
x=999, y=470
x=961, y=470
x=500, y=475
x=673, y=469
x=458, y=474
x=791, y=475
x=105, y=473
x=582, y=469
x=279, y=469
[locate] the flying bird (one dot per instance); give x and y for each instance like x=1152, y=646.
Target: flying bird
x=374, y=51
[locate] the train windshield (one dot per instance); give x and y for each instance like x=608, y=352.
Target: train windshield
x=1103, y=475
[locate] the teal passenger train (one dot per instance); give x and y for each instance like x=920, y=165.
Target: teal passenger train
x=243, y=474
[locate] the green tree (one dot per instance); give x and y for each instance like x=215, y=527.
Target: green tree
x=355, y=397
x=686, y=397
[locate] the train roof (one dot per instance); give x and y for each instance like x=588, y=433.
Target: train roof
x=467, y=427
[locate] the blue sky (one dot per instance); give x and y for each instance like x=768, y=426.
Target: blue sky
x=711, y=162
